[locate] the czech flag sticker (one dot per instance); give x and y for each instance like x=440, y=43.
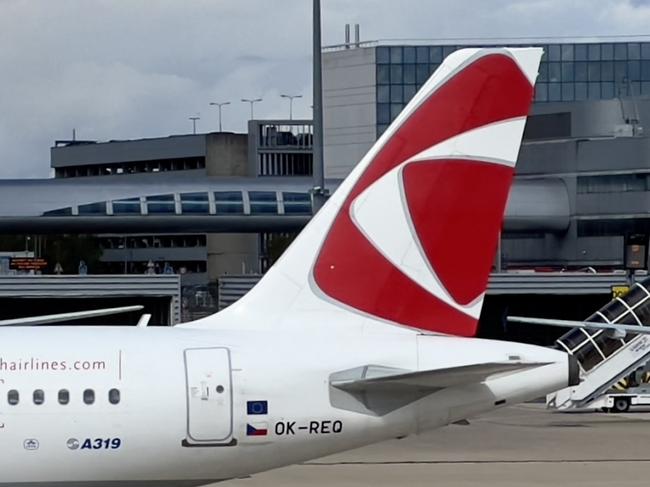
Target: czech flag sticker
x=257, y=429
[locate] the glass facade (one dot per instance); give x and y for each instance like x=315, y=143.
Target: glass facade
x=568, y=72
x=229, y=202
x=162, y=203
x=195, y=203
x=93, y=209
x=263, y=202
x=297, y=203
x=199, y=203
x=128, y=206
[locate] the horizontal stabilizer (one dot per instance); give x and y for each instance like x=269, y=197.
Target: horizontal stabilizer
x=62, y=317
x=614, y=330
x=379, y=390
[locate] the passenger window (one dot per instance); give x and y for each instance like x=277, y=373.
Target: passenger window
x=39, y=397
x=64, y=396
x=114, y=396
x=13, y=397
x=89, y=396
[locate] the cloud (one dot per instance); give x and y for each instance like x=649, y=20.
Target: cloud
x=141, y=68
x=634, y=14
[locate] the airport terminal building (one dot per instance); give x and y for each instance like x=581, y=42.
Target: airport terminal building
x=585, y=134
x=208, y=206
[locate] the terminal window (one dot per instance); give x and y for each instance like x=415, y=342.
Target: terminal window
x=263, y=202
x=93, y=209
x=195, y=203
x=297, y=203
x=229, y=202
x=127, y=206
x=568, y=72
x=163, y=203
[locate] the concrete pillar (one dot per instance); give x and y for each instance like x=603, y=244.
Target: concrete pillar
x=232, y=253
x=226, y=154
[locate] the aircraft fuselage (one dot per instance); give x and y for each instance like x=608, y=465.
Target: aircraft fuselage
x=126, y=406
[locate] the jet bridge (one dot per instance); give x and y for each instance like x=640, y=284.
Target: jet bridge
x=604, y=356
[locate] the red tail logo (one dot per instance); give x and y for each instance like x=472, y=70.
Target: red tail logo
x=415, y=239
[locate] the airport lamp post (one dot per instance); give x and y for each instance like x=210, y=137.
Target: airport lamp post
x=219, y=105
x=252, y=101
x=319, y=193
x=194, y=119
x=290, y=98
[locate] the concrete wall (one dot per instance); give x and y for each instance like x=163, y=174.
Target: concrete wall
x=600, y=117
x=563, y=250
x=226, y=154
x=584, y=155
x=349, y=108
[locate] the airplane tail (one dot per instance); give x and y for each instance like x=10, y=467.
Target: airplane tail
x=409, y=237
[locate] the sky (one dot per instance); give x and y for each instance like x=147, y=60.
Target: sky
x=125, y=69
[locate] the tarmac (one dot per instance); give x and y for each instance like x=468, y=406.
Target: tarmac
x=523, y=445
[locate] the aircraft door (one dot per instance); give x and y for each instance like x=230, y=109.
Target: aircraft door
x=209, y=396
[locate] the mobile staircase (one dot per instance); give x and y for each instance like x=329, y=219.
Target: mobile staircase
x=606, y=357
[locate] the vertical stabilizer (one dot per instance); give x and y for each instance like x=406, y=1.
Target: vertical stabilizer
x=409, y=237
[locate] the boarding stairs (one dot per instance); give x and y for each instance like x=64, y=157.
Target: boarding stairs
x=605, y=358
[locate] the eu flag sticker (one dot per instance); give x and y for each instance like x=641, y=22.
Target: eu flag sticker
x=257, y=407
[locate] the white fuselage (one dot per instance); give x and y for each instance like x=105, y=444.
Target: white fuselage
x=184, y=396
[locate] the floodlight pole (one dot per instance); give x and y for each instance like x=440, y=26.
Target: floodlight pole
x=318, y=190
x=194, y=119
x=219, y=105
x=252, y=101
x=291, y=97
